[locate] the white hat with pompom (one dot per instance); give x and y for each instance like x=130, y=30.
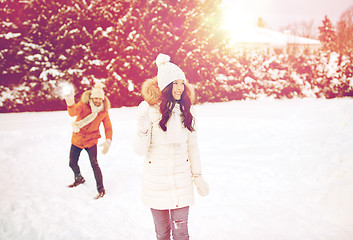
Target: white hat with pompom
x=97, y=91
x=167, y=72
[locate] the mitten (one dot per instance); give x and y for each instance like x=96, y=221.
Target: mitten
x=201, y=185
x=69, y=98
x=75, y=127
x=143, y=119
x=106, y=146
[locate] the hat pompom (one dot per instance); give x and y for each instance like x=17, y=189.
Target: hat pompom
x=162, y=59
x=99, y=85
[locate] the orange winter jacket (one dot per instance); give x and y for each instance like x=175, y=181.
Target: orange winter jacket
x=88, y=135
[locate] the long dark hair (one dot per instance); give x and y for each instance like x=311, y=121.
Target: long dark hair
x=167, y=104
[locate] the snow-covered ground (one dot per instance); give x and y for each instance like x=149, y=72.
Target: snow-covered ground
x=276, y=169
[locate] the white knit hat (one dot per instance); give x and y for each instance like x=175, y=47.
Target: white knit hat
x=97, y=91
x=167, y=72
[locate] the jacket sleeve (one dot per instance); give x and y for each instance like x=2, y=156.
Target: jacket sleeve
x=108, y=129
x=193, y=151
x=194, y=154
x=75, y=109
x=142, y=142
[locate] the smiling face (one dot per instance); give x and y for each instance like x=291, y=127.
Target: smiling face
x=178, y=89
x=97, y=101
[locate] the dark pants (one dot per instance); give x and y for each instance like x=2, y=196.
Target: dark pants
x=175, y=220
x=92, y=153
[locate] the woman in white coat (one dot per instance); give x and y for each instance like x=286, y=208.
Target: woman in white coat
x=166, y=136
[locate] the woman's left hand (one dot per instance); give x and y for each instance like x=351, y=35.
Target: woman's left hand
x=201, y=185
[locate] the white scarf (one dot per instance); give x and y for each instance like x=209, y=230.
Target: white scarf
x=174, y=125
x=95, y=110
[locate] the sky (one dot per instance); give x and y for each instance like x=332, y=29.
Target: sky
x=279, y=13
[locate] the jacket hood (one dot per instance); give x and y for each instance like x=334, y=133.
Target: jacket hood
x=152, y=95
x=86, y=96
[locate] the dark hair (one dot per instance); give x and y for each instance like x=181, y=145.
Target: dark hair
x=167, y=104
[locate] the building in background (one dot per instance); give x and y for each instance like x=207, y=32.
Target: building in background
x=267, y=40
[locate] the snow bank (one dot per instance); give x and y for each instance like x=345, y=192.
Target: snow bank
x=277, y=170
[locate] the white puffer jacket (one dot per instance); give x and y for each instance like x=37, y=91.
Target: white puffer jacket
x=167, y=179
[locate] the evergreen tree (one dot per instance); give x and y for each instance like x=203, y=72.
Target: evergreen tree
x=110, y=45
x=24, y=57
x=116, y=41
x=59, y=41
x=11, y=35
x=327, y=35
x=345, y=32
x=188, y=31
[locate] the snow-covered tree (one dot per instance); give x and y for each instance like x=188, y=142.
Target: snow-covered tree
x=25, y=61
x=188, y=31
x=327, y=35
x=58, y=41
x=115, y=41
x=44, y=43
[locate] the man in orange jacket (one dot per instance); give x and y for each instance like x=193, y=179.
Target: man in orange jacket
x=91, y=111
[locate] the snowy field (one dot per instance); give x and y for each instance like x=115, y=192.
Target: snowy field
x=278, y=170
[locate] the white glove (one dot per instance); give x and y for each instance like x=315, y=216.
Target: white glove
x=201, y=185
x=69, y=98
x=143, y=119
x=75, y=127
x=106, y=146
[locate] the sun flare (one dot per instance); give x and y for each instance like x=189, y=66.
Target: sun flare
x=239, y=16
